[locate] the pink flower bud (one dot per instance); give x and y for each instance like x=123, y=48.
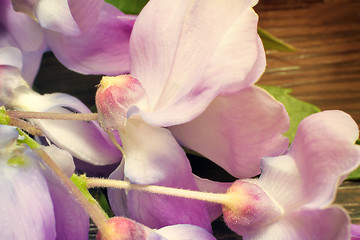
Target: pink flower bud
x=115, y=96
x=250, y=208
x=119, y=228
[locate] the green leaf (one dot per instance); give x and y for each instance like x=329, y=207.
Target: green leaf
x=4, y=117
x=355, y=175
x=273, y=43
x=129, y=6
x=296, y=108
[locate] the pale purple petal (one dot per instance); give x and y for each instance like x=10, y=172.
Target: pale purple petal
x=206, y=185
x=281, y=180
x=325, y=154
x=21, y=41
x=7, y=135
x=26, y=33
x=316, y=224
x=187, y=80
x=85, y=12
x=322, y=153
x=185, y=232
x=84, y=140
x=152, y=156
x=355, y=232
x=103, y=49
x=117, y=197
x=237, y=130
x=25, y=206
x=11, y=56
x=62, y=158
x=72, y=222
x=56, y=16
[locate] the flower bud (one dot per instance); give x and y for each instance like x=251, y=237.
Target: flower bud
x=250, y=208
x=115, y=96
x=119, y=228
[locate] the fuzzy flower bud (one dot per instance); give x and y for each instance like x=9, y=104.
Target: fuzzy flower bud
x=115, y=96
x=119, y=228
x=250, y=208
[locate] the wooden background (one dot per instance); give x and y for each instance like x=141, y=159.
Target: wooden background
x=325, y=69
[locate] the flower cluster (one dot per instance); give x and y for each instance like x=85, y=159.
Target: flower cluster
x=189, y=69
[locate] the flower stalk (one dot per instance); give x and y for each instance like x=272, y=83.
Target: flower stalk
x=220, y=198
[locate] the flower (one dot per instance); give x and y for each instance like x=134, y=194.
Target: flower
x=298, y=188
x=193, y=64
x=355, y=232
x=87, y=37
x=22, y=41
x=120, y=228
x=84, y=140
x=34, y=202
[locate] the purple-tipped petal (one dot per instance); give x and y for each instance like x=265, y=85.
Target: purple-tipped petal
x=103, y=49
x=184, y=232
x=152, y=156
x=325, y=154
x=237, y=130
x=316, y=224
x=187, y=81
x=84, y=140
x=25, y=206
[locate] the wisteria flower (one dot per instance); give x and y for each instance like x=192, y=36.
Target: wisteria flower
x=193, y=64
x=355, y=232
x=84, y=140
x=34, y=203
x=293, y=197
x=22, y=42
x=123, y=228
x=90, y=37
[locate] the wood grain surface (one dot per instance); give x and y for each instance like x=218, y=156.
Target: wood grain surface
x=325, y=69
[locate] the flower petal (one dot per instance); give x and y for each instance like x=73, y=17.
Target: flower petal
x=329, y=223
x=152, y=156
x=26, y=33
x=355, y=232
x=84, y=140
x=25, y=206
x=187, y=81
x=117, y=197
x=56, y=16
x=206, y=185
x=72, y=222
x=85, y=12
x=325, y=154
x=103, y=49
x=237, y=130
x=184, y=232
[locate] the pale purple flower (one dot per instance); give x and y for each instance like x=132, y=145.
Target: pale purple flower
x=293, y=197
x=123, y=228
x=34, y=203
x=86, y=141
x=22, y=41
x=355, y=232
x=193, y=64
x=90, y=37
